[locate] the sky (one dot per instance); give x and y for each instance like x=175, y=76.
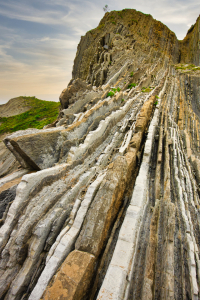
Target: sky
x=39, y=38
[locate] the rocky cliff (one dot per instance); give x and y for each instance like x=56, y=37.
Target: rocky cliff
x=107, y=203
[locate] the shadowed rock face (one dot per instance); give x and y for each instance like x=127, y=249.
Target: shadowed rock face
x=111, y=210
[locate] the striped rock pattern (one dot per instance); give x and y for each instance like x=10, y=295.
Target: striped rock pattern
x=106, y=205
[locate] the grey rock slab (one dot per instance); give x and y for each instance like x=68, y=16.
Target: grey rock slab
x=13, y=176
x=27, y=184
x=36, y=246
x=116, y=279
x=37, y=213
x=37, y=149
x=97, y=134
x=6, y=197
x=41, y=149
x=64, y=244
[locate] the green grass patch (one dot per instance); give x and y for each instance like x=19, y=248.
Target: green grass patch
x=146, y=90
x=196, y=69
x=116, y=89
x=156, y=97
x=186, y=67
x=41, y=114
x=113, y=91
x=110, y=94
x=131, y=85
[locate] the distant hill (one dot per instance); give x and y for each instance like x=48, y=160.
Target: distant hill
x=27, y=112
x=15, y=106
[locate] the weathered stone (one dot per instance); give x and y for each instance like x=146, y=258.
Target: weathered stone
x=38, y=150
x=144, y=115
x=196, y=165
x=151, y=258
x=60, y=141
x=73, y=279
x=99, y=218
x=136, y=140
x=8, y=162
x=65, y=242
x=7, y=196
x=67, y=93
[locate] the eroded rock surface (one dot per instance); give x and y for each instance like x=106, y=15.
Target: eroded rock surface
x=73, y=279
x=111, y=207
x=8, y=162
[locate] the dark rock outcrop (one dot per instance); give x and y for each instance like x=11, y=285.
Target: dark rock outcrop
x=68, y=95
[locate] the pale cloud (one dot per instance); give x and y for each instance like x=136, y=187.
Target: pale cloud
x=25, y=12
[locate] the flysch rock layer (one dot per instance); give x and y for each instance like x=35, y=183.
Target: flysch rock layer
x=8, y=162
x=106, y=202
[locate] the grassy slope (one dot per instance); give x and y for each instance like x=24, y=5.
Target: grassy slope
x=41, y=114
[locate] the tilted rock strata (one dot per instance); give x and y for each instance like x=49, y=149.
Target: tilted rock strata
x=111, y=209
x=125, y=34
x=8, y=162
x=73, y=279
x=190, y=45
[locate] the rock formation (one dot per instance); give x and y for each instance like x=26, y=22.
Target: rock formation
x=107, y=203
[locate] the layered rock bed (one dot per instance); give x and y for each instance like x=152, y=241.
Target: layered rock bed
x=106, y=204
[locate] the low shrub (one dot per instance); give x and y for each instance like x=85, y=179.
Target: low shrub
x=113, y=91
x=110, y=94
x=131, y=85
x=146, y=90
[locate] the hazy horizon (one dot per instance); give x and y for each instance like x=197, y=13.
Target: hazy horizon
x=39, y=39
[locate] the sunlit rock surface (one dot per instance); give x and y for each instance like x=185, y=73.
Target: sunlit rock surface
x=106, y=204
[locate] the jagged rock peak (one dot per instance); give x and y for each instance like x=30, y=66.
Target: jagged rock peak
x=130, y=31
x=121, y=33
x=127, y=35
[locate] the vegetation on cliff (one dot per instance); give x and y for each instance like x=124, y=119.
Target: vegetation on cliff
x=41, y=113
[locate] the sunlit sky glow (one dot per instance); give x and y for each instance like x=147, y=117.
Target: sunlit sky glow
x=39, y=38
